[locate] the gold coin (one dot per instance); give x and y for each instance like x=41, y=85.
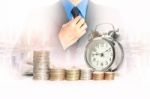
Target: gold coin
x=109, y=75
x=97, y=75
x=72, y=74
x=57, y=74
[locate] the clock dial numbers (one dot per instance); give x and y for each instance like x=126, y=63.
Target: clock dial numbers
x=101, y=54
x=104, y=52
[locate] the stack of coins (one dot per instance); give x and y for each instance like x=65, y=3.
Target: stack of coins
x=98, y=75
x=57, y=74
x=109, y=75
x=86, y=74
x=41, y=65
x=72, y=74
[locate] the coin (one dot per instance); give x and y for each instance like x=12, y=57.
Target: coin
x=98, y=75
x=72, y=74
x=109, y=75
x=86, y=74
x=57, y=74
x=41, y=65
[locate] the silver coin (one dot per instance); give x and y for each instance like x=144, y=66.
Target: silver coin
x=86, y=74
x=41, y=65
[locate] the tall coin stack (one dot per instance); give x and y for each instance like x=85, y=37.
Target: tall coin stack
x=41, y=65
x=57, y=74
x=86, y=74
x=72, y=74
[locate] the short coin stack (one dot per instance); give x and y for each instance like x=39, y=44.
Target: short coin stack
x=41, y=65
x=72, y=74
x=86, y=74
x=57, y=74
x=109, y=75
x=98, y=75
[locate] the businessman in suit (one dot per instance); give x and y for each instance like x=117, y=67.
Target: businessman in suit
x=64, y=29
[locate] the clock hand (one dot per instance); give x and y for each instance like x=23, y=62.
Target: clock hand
x=102, y=52
x=106, y=50
x=96, y=54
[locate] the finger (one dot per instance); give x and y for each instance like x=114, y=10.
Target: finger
x=84, y=27
x=81, y=33
x=75, y=21
x=64, y=25
x=80, y=23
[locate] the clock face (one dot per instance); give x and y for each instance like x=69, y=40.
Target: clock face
x=99, y=54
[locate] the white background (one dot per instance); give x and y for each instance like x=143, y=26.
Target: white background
x=136, y=22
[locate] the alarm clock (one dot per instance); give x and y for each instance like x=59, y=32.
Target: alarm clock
x=103, y=51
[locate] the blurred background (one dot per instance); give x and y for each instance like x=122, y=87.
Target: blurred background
x=135, y=22
x=135, y=16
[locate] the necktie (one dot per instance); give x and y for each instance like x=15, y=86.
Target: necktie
x=75, y=12
x=73, y=49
